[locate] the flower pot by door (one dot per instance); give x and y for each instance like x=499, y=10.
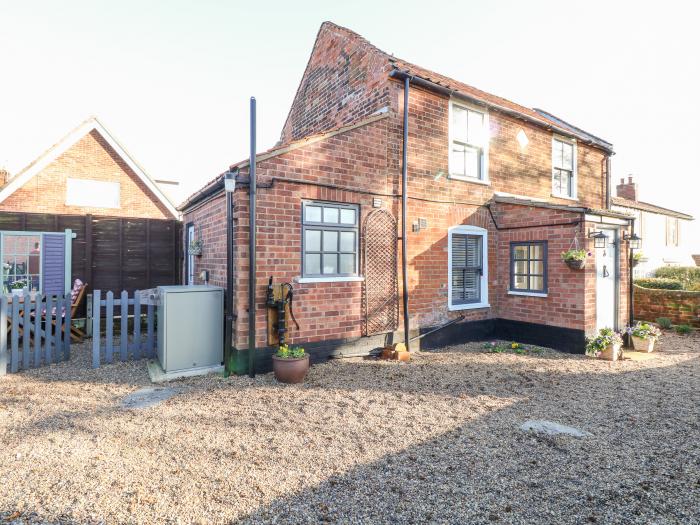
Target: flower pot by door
x=611, y=353
x=290, y=370
x=643, y=345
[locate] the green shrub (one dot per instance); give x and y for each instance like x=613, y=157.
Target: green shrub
x=683, y=329
x=694, y=287
x=664, y=322
x=687, y=275
x=659, y=283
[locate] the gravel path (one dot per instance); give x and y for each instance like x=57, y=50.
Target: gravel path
x=433, y=441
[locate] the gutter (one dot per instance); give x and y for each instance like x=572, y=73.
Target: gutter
x=432, y=86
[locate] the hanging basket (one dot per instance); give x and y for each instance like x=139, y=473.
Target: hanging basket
x=575, y=264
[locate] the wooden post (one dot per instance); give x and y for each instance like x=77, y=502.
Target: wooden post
x=58, y=346
x=3, y=335
x=149, y=343
x=26, y=328
x=109, y=328
x=47, y=331
x=66, y=331
x=88, y=261
x=96, y=329
x=149, y=284
x=137, y=325
x=88, y=316
x=124, y=333
x=38, y=300
x=14, y=361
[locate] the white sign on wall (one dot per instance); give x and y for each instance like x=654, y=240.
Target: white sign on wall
x=92, y=193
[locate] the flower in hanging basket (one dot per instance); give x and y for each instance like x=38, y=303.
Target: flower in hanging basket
x=636, y=258
x=574, y=258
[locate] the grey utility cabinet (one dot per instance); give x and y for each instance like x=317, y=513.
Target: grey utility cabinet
x=190, y=327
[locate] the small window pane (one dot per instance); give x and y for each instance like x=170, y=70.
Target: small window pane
x=565, y=184
x=312, y=263
x=347, y=263
x=347, y=241
x=330, y=263
x=537, y=283
x=459, y=123
x=568, y=156
x=330, y=215
x=557, y=154
x=537, y=267
x=536, y=251
x=347, y=216
x=330, y=241
x=476, y=128
x=457, y=160
x=472, y=159
x=313, y=214
x=520, y=282
x=520, y=267
x=520, y=252
x=313, y=241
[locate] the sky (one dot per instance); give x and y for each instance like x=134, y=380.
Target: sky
x=172, y=79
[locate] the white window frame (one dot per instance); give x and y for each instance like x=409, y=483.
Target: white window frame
x=463, y=229
x=574, y=176
x=484, y=157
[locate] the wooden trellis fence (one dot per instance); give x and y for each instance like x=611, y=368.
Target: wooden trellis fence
x=34, y=330
x=134, y=344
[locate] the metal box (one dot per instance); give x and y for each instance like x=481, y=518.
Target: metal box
x=190, y=327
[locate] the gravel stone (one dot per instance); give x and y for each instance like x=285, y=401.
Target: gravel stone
x=436, y=440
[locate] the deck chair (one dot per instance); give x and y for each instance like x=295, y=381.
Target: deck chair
x=77, y=293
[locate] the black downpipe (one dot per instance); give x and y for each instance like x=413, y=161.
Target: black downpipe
x=404, y=202
x=608, y=181
x=251, y=247
x=631, y=279
x=228, y=329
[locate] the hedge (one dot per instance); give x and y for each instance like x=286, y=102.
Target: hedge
x=659, y=283
x=689, y=276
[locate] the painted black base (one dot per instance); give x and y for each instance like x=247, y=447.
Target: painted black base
x=562, y=339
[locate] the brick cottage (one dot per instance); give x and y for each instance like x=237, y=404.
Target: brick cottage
x=496, y=192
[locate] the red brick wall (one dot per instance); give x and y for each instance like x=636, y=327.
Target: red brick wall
x=210, y=226
x=345, y=79
x=680, y=306
x=90, y=158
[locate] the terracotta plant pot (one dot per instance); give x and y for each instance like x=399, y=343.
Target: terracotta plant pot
x=575, y=264
x=643, y=345
x=611, y=353
x=290, y=370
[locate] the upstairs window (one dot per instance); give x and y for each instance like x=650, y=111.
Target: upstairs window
x=671, y=232
x=467, y=269
x=563, y=168
x=329, y=239
x=468, y=143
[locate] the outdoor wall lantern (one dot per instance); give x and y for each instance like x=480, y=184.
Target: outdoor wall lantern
x=634, y=240
x=230, y=181
x=600, y=240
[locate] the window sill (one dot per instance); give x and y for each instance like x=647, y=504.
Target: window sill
x=575, y=199
x=530, y=294
x=470, y=179
x=354, y=279
x=471, y=306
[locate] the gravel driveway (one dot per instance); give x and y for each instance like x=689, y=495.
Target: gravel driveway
x=436, y=440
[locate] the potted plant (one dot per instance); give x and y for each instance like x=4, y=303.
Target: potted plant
x=195, y=247
x=290, y=364
x=18, y=287
x=606, y=345
x=638, y=256
x=643, y=336
x=575, y=259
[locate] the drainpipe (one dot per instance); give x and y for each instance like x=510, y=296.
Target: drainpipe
x=251, y=247
x=631, y=279
x=404, y=202
x=608, y=181
x=228, y=329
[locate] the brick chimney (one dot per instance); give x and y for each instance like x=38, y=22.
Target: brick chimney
x=4, y=176
x=627, y=190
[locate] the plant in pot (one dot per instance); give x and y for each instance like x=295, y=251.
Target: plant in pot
x=575, y=259
x=290, y=364
x=606, y=345
x=18, y=287
x=195, y=247
x=643, y=336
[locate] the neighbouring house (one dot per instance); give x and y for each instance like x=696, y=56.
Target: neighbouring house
x=496, y=192
x=665, y=233
x=125, y=231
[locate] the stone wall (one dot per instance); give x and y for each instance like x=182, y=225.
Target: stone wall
x=680, y=306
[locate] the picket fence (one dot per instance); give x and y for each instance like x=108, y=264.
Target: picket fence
x=134, y=345
x=24, y=316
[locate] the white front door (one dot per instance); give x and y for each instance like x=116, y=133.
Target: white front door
x=606, y=281
x=190, y=258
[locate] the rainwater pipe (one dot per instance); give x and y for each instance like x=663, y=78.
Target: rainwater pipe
x=251, y=246
x=404, y=203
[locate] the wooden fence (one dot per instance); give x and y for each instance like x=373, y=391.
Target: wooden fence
x=130, y=345
x=34, y=331
x=113, y=253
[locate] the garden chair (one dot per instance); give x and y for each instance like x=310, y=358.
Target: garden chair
x=77, y=294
